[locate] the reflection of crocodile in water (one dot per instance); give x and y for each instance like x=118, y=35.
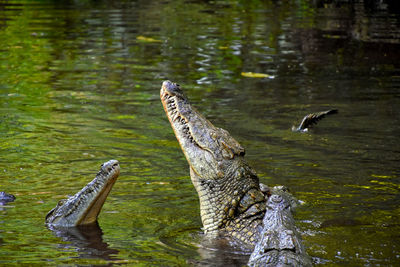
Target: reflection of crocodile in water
x=86, y=240
x=232, y=205
x=84, y=207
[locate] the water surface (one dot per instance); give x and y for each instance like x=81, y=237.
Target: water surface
x=79, y=85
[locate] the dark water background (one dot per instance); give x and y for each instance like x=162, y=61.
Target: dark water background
x=79, y=85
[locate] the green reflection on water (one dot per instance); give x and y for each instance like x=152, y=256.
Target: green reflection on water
x=78, y=88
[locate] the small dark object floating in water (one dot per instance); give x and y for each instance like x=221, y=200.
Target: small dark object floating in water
x=311, y=119
x=5, y=198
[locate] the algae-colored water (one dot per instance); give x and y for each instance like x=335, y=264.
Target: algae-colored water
x=79, y=85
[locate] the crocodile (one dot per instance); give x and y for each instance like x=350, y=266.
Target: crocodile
x=84, y=207
x=5, y=198
x=233, y=204
x=280, y=243
x=311, y=119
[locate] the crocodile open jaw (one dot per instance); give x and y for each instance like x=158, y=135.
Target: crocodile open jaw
x=85, y=206
x=227, y=186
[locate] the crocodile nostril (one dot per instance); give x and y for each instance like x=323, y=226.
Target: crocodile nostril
x=276, y=198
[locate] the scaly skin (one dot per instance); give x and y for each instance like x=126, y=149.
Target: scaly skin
x=280, y=244
x=231, y=201
x=84, y=207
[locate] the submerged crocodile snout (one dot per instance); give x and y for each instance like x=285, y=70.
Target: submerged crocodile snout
x=277, y=202
x=276, y=198
x=280, y=244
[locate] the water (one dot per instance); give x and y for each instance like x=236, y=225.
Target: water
x=79, y=85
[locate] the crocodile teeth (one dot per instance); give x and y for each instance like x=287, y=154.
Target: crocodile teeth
x=171, y=105
x=177, y=117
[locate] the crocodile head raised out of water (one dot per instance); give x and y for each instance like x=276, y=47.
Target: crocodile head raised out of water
x=231, y=202
x=84, y=207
